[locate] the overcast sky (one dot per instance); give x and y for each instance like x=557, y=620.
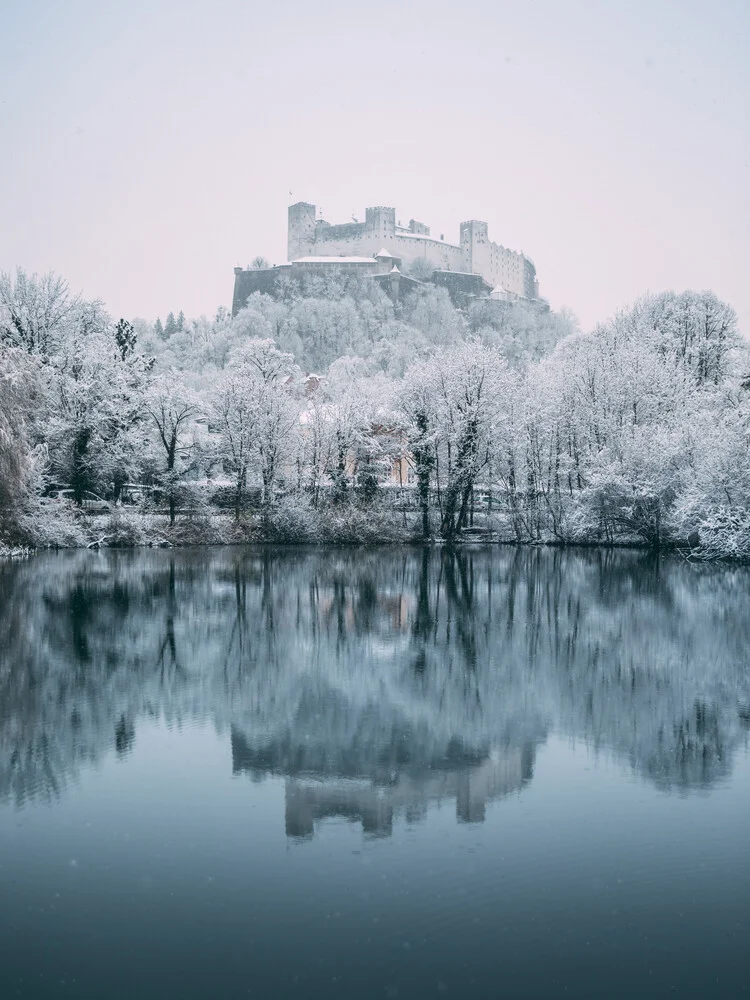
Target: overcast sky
x=149, y=147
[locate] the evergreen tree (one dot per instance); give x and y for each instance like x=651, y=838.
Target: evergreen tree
x=159, y=329
x=170, y=327
x=181, y=321
x=125, y=338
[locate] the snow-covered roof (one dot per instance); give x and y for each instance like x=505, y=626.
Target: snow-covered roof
x=334, y=260
x=384, y=253
x=428, y=239
x=395, y=270
x=470, y=274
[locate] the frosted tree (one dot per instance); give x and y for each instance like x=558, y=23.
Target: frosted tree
x=170, y=326
x=201, y=346
x=466, y=387
x=20, y=462
x=417, y=404
x=522, y=331
x=694, y=329
x=125, y=338
x=35, y=310
x=172, y=407
x=268, y=381
x=361, y=425
x=234, y=410
x=431, y=311
x=94, y=382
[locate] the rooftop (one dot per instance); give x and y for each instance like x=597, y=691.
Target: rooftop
x=334, y=260
x=430, y=239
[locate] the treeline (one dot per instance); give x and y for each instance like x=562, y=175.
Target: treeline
x=421, y=421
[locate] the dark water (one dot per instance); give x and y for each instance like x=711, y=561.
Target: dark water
x=235, y=773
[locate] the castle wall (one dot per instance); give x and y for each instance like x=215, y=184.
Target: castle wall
x=355, y=244
x=325, y=232
x=461, y=287
x=442, y=256
x=409, y=248
x=497, y=264
x=475, y=253
x=246, y=282
x=506, y=268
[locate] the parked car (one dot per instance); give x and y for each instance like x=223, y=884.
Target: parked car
x=89, y=501
x=133, y=494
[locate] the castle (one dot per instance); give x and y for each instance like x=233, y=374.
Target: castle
x=383, y=250
x=310, y=236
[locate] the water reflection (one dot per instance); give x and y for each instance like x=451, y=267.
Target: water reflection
x=374, y=795
x=374, y=683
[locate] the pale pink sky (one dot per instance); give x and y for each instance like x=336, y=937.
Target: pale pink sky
x=151, y=146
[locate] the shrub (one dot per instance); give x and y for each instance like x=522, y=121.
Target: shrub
x=350, y=525
x=123, y=530
x=292, y=521
x=46, y=524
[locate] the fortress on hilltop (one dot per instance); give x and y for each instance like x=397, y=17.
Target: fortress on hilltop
x=475, y=253
x=383, y=250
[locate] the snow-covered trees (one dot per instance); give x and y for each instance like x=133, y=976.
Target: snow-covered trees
x=171, y=406
x=637, y=431
x=96, y=384
x=454, y=407
x=88, y=379
x=523, y=331
x=416, y=404
x=35, y=311
x=20, y=464
x=256, y=410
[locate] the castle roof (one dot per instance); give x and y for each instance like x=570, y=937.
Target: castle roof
x=426, y=239
x=384, y=253
x=333, y=260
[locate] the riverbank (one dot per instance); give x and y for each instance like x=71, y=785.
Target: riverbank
x=67, y=527
x=348, y=525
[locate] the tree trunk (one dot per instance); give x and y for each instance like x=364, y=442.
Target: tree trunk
x=171, y=456
x=80, y=447
x=424, y=461
x=460, y=481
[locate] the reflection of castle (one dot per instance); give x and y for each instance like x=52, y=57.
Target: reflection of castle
x=374, y=799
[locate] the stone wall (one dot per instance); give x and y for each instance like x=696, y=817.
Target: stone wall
x=250, y=281
x=461, y=287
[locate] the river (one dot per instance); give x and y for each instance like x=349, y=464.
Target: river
x=386, y=773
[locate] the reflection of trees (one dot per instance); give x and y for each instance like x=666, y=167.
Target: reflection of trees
x=407, y=672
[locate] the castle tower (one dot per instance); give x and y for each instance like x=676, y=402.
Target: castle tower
x=380, y=223
x=474, y=246
x=301, y=230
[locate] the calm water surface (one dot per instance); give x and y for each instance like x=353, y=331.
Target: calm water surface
x=330, y=773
